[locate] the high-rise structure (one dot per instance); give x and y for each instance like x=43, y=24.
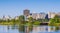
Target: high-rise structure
x=26, y=12
x=51, y=14
x=38, y=15
x=58, y=13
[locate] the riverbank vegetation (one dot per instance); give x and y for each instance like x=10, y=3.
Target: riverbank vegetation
x=55, y=21
x=21, y=21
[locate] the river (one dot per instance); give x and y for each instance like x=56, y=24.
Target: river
x=28, y=29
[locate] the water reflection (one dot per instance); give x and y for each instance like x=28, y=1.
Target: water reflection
x=37, y=29
x=28, y=29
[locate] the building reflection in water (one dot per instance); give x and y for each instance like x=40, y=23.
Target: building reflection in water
x=28, y=29
x=33, y=29
x=36, y=29
x=43, y=29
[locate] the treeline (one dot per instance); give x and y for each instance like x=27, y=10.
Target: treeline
x=21, y=20
x=55, y=21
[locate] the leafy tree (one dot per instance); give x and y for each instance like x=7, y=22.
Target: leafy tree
x=55, y=20
x=22, y=19
x=36, y=23
x=30, y=19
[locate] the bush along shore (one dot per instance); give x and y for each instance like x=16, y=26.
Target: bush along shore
x=55, y=21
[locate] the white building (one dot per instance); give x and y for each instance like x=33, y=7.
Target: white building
x=37, y=16
x=16, y=18
x=51, y=14
x=42, y=15
x=6, y=18
x=58, y=13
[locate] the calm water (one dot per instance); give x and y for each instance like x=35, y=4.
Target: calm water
x=28, y=29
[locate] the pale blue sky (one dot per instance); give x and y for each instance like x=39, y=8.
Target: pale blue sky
x=16, y=7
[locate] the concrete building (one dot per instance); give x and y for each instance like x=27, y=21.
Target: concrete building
x=6, y=18
x=34, y=15
x=37, y=16
x=16, y=17
x=26, y=12
x=51, y=14
x=58, y=13
x=42, y=15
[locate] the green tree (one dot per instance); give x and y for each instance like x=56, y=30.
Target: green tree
x=55, y=20
x=22, y=19
x=36, y=23
x=30, y=19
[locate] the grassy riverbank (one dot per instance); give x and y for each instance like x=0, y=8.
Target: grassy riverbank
x=54, y=24
x=20, y=23
x=8, y=23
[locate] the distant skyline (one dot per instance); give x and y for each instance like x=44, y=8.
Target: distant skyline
x=16, y=7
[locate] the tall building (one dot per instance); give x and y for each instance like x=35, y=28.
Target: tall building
x=42, y=15
x=58, y=13
x=51, y=14
x=26, y=12
x=38, y=16
x=6, y=18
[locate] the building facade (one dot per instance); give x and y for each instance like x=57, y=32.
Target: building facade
x=26, y=12
x=51, y=14
x=37, y=15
